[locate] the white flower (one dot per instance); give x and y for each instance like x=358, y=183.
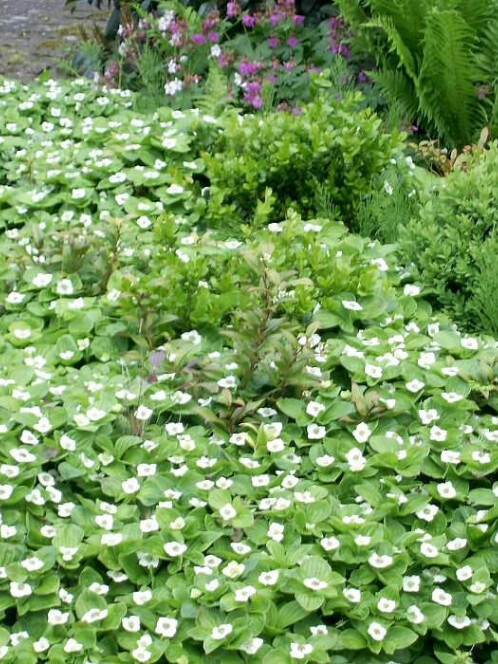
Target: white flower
x=456, y=544
x=141, y=597
x=221, y=631
x=227, y=512
x=166, y=627
x=276, y=532
x=411, y=584
x=449, y=456
x=411, y=289
x=252, y=646
x=143, y=413
x=111, y=539
x=362, y=432
x=315, y=584
x=415, y=385
x=351, y=305
x=56, y=617
x=440, y=596
x=131, y=485
x=428, y=512
x=314, y=408
x=78, y=193
x=244, y=594
x=373, y=371
x=469, y=343
x=464, y=573
x=353, y=595
x=438, y=434
x=459, y=622
x=324, y=461
x=32, y=564
x=446, y=490
x=316, y=432
x=174, y=549
x=276, y=445
x=380, y=562
x=41, y=280
x=41, y=645
x=65, y=287
x=428, y=416
x=19, y=589
x=414, y=615
x=330, y=543
x=429, y=550
x=6, y=491
x=233, y=569
x=300, y=650
x=269, y=578
x=72, y=645
x=94, y=615
x=386, y=605
x=377, y=631
x=131, y=623
x=356, y=460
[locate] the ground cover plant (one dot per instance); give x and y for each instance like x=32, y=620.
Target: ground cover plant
x=256, y=444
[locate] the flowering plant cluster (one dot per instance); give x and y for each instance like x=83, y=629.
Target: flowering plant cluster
x=257, y=446
x=266, y=56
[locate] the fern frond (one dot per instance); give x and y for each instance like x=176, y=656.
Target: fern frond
x=399, y=90
x=396, y=43
x=353, y=11
x=214, y=96
x=448, y=76
x=408, y=17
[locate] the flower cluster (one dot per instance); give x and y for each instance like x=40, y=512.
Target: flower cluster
x=265, y=53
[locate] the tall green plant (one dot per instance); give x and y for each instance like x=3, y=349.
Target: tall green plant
x=438, y=60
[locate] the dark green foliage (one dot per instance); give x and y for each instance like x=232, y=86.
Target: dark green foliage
x=322, y=160
x=437, y=61
x=453, y=243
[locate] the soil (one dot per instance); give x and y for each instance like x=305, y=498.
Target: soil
x=36, y=35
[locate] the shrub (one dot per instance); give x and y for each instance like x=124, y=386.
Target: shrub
x=452, y=242
x=306, y=474
x=322, y=160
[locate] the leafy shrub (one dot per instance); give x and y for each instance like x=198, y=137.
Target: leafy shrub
x=453, y=238
x=322, y=160
x=307, y=474
x=439, y=62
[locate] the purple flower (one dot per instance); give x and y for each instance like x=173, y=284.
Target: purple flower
x=214, y=37
x=272, y=79
x=293, y=41
x=298, y=20
x=233, y=9
x=275, y=19
x=363, y=78
x=273, y=42
x=248, y=21
x=289, y=66
x=198, y=39
x=249, y=68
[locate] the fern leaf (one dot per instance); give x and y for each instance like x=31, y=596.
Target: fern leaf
x=397, y=44
x=447, y=78
x=214, y=96
x=399, y=90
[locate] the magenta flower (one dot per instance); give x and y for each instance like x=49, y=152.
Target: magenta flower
x=275, y=19
x=273, y=42
x=214, y=37
x=249, y=68
x=298, y=20
x=233, y=9
x=248, y=21
x=198, y=39
x=293, y=41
